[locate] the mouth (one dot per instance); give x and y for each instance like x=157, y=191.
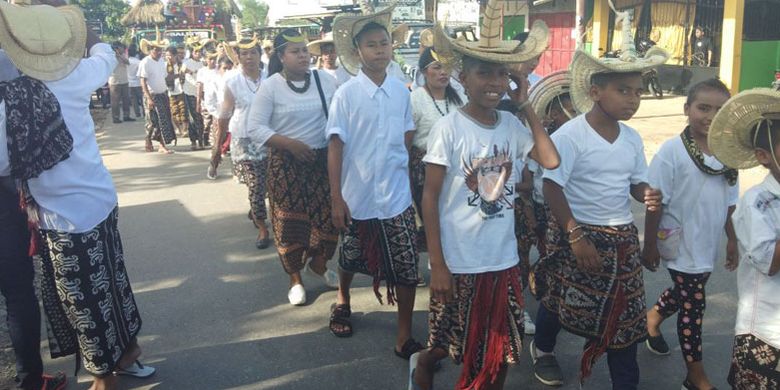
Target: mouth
x=492, y=95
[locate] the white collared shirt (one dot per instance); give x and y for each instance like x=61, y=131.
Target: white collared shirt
x=372, y=122
x=132, y=72
x=757, y=224
x=154, y=72
x=190, y=78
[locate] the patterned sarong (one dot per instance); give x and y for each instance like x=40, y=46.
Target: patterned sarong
x=385, y=249
x=417, y=176
x=755, y=365
x=483, y=326
x=195, y=119
x=178, y=108
x=87, y=296
x=158, y=120
x=606, y=307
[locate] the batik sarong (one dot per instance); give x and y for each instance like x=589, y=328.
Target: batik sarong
x=87, y=296
x=755, y=365
x=195, y=129
x=417, y=176
x=178, y=109
x=250, y=161
x=384, y=249
x=299, y=196
x=209, y=124
x=482, y=327
x=607, y=306
x=525, y=233
x=158, y=120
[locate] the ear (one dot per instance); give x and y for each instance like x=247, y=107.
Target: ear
x=764, y=157
x=595, y=93
x=686, y=108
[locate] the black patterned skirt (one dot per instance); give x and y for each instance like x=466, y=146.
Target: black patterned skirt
x=755, y=365
x=87, y=296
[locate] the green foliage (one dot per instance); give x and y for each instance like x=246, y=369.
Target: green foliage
x=109, y=12
x=253, y=12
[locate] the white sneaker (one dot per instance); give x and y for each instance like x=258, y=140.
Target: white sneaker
x=297, y=295
x=330, y=278
x=528, y=323
x=137, y=370
x=412, y=366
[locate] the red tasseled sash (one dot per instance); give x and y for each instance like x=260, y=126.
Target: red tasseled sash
x=370, y=242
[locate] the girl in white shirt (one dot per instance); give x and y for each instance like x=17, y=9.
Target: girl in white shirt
x=746, y=133
x=246, y=153
x=289, y=116
x=699, y=195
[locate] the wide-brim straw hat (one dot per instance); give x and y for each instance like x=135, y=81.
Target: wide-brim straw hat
x=146, y=45
x=730, y=134
x=315, y=47
x=345, y=27
x=548, y=89
x=44, y=42
x=399, y=34
x=584, y=65
x=230, y=52
x=490, y=47
x=426, y=38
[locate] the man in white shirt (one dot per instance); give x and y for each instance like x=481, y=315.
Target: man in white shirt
x=152, y=72
x=118, y=85
x=191, y=67
x=204, y=85
x=175, y=81
x=136, y=93
x=328, y=58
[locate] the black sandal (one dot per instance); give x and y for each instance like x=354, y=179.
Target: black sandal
x=339, y=315
x=410, y=347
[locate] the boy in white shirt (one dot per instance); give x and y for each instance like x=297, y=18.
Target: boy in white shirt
x=191, y=66
x=744, y=134
x=136, y=93
x=476, y=301
x=699, y=196
x=175, y=82
x=152, y=73
x=370, y=130
x=204, y=86
x=597, y=290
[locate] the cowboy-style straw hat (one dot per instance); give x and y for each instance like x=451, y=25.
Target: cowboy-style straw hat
x=315, y=47
x=730, y=135
x=147, y=45
x=345, y=27
x=230, y=52
x=584, y=65
x=547, y=90
x=44, y=42
x=490, y=47
x=399, y=34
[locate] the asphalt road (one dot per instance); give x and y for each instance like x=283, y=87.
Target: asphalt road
x=215, y=312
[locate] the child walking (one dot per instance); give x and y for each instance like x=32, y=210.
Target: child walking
x=699, y=196
x=744, y=134
x=476, y=305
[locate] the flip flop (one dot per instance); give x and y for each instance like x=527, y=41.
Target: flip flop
x=263, y=243
x=410, y=347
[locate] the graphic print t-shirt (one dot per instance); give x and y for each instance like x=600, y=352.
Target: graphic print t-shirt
x=477, y=197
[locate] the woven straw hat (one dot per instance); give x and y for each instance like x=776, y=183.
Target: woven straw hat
x=729, y=137
x=547, y=89
x=426, y=37
x=399, y=34
x=44, y=42
x=230, y=52
x=345, y=27
x=315, y=46
x=584, y=65
x=147, y=45
x=490, y=47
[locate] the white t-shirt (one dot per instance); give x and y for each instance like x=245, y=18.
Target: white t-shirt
x=214, y=91
x=425, y=114
x=132, y=72
x=277, y=109
x=596, y=175
x=757, y=224
x=178, y=86
x=340, y=74
x=538, y=172
x=694, y=201
x=243, y=90
x=372, y=121
x=476, y=212
x=119, y=75
x=190, y=78
x=154, y=72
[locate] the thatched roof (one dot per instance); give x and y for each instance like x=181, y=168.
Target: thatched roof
x=144, y=12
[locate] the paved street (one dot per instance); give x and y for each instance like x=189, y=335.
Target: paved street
x=215, y=308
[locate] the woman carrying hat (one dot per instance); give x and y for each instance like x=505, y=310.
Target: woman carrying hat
x=289, y=115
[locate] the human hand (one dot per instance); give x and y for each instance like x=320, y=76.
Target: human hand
x=519, y=95
x=300, y=150
x=732, y=255
x=441, y=284
x=149, y=103
x=340, y=214
x=586, y=254
x=650, y=256
x=653, y=199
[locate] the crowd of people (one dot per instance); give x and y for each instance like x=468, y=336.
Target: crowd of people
x=355, y=158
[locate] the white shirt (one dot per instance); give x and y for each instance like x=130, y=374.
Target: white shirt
x=214, y=92
x=190, y=78
x=277, y=109
x=243, y=90
x=8, y=72
x=757, y=224
x=154, y=72
x=178, y=87
x=694, y=201
x=476, y=212
x=119, y=75
x=538, y=172
x=596, y=175
x=425, y=114
x=340, y=74
x=394, y=70
x=78, y=193
x=132, y=72
x=372, y=122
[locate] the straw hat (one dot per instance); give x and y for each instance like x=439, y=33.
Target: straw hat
x=399, y=34
x=547, y=89
x=490, y=47
x=345, y=27
x=315, y=46
x=250, y=43
x=730, y=138
x=44, y=42
x=268, y=44
x=147, y=45
x=584, y=65
x=230, y=52
x=426, y=37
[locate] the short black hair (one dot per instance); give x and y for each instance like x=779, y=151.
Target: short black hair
x=601, y=80
x=327, y=44
x=557, y=102
x=172, y=50
x=766, y=131
x=468, y=63
x=712, y=84
x=370, y=26
x=224, y=60
x=132, y=50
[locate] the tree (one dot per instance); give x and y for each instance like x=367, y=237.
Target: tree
x=254, y=13
x=109, y=12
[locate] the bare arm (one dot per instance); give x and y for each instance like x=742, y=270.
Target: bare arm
x=732, y=248
x=299, y=150
x=341, y=215
x=583, y=248
x=650, y=256
x=408, y=137
x=643, y=193
x=441, y=278
x=544, y=151
x=527, y=182
x=775, y=266
x=226, y=112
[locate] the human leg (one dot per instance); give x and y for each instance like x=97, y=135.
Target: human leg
x=692, y=304
x=623, y=367
x=115, y=98
x=124, y=95
x=195, y=129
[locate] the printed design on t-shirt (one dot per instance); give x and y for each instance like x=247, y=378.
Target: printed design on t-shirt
x=767, y=200
x=487, y=178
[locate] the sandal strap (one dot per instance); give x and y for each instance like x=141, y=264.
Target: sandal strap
x=341, y=311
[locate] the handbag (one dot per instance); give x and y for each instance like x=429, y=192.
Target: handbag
x=322, y=94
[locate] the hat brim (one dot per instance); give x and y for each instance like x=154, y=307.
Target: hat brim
x=315, y=47
x=47, y=67
x=729, y=137
x=146, y=45
x=584, y=66
x=345, y=27
x=230, y=52
x=547, y=89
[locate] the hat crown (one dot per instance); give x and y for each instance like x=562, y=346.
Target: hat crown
x=490, y=29
x=38, y=30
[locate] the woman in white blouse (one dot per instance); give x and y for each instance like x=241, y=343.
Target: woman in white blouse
x=289, y=116
x=246, y=153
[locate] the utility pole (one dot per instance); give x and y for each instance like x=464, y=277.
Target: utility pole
x=579, y=25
